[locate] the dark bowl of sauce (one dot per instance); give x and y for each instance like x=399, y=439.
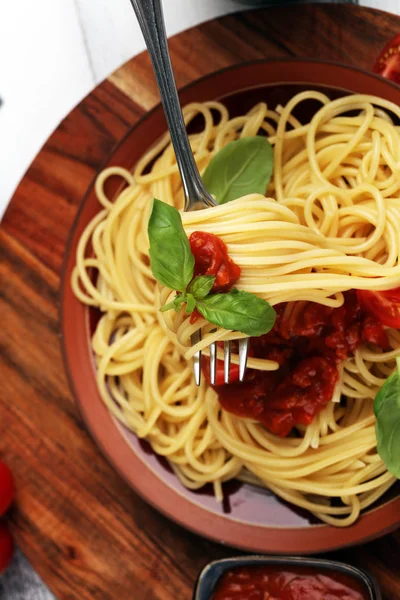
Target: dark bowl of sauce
x=277, y=578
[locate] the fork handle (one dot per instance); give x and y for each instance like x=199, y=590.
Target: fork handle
x=150, y=16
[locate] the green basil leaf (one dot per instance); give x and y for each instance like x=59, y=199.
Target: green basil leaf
x=172, y=261
x=238, y=310
x=201, y=286
x=387, y=411
x=240, y=168
x=190, y=303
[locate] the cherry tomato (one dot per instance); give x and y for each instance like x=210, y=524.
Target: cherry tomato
x=388, y=62
x=384, y=306
x=6, y=547
x=6, y=488
x=220, y=378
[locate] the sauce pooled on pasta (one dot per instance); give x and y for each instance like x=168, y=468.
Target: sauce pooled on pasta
x=308, y=346
x=308, y=341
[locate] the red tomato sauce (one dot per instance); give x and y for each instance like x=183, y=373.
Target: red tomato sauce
x=211, y=258
x=271, y=582
x=308, y=344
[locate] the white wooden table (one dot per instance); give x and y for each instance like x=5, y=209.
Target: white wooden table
x=52, y=52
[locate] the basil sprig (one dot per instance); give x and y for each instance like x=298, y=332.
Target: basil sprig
x=240, y=168
x=387, y=412
x=172, y=263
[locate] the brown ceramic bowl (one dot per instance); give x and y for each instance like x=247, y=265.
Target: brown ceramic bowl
x=250, y=518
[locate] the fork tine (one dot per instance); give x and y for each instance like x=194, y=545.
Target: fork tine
x=227, y=361
x=213, y=362
x=195, y=338
x=243, y=353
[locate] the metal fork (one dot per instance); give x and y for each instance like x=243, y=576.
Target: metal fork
x=151, y=20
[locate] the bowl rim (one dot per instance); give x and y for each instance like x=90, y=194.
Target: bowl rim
x=138, y=487
x=210, y=574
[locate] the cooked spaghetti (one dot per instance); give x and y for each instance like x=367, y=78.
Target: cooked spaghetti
x=328, y=224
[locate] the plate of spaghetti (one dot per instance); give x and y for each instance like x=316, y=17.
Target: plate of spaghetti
x=301, y=255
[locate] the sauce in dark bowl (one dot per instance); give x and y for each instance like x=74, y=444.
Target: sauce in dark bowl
x=277, y=582
x=279, y=578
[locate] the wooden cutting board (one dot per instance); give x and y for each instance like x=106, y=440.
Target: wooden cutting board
x=87, y=534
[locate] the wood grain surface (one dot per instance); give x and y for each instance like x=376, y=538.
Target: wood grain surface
x=87, y=534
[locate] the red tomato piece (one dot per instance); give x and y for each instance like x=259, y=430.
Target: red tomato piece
x=388, y=62
x=384, y=306
x=6, y=547
x=211, y=258
x=7, y=488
